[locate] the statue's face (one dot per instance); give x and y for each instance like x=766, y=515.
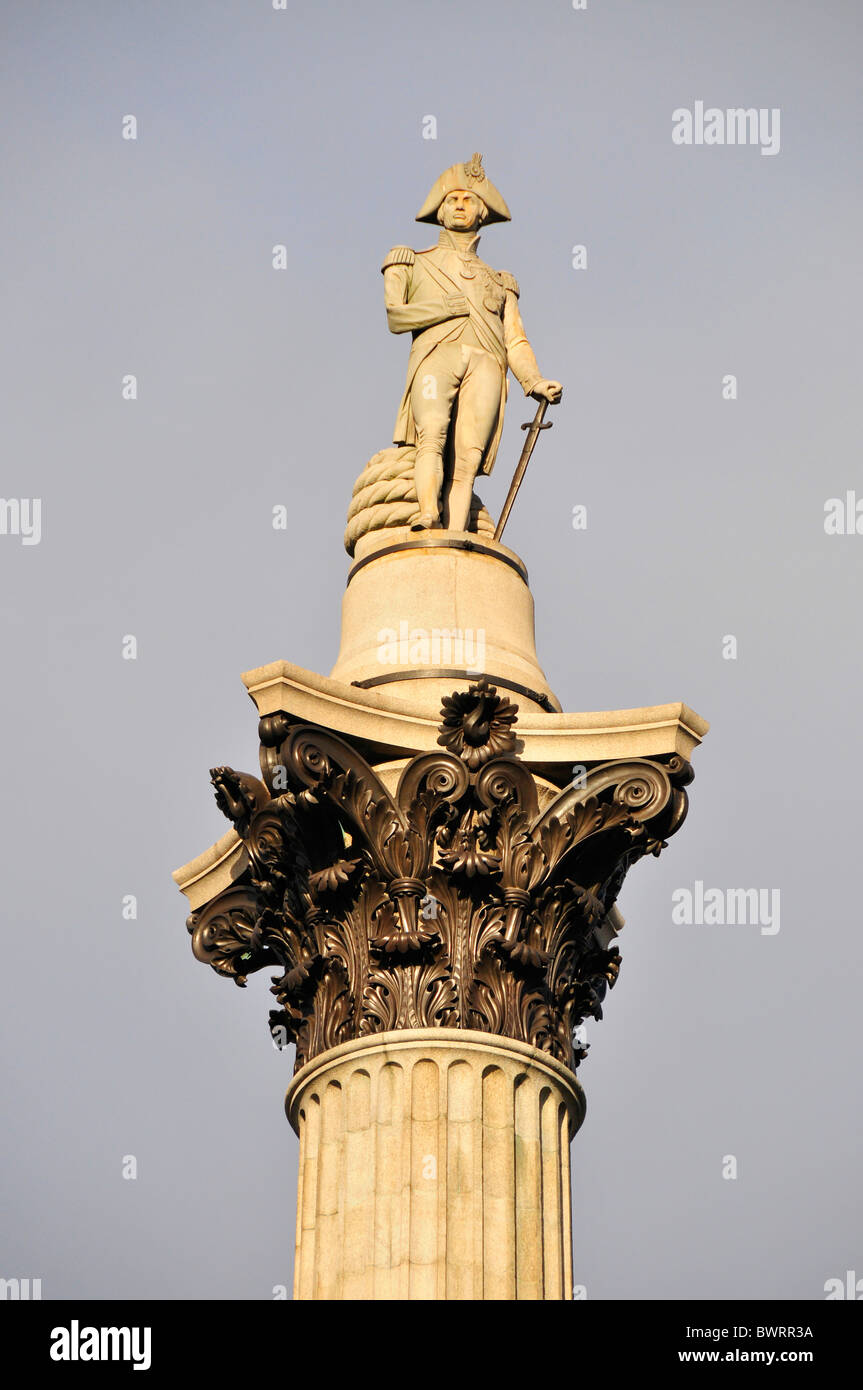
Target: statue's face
x=461, y=211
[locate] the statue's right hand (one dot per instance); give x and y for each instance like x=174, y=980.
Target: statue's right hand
x=457, y=304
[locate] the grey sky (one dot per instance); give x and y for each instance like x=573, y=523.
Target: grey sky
x=705, y=518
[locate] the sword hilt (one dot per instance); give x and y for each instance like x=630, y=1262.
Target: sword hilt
x=537, y=422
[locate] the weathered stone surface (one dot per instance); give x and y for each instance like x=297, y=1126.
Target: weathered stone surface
x=418, y=614
x=434, y=1164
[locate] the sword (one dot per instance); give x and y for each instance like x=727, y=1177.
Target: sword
x=533, y=428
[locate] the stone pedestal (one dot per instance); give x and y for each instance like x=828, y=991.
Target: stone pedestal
x=434, y=1164
x=421, y=615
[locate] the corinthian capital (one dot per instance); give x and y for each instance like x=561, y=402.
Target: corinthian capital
x=469, y=893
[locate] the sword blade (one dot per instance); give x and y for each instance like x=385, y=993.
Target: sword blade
x=533, y=429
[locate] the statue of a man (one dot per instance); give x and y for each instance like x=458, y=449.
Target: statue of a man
x=467, y=331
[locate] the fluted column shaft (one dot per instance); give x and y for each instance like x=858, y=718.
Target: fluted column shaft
x=434, y=1164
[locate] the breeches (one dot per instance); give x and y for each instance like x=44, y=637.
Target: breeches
x=458, y=384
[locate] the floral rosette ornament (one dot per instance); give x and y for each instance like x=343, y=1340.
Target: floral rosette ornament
x=476, y=725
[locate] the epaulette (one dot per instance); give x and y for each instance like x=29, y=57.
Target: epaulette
x=398, y=255
x=509, y=282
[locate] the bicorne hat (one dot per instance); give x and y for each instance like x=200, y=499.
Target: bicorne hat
x=471, y=177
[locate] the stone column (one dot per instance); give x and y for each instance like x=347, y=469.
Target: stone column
x=434, y=1164
x=428, y=870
